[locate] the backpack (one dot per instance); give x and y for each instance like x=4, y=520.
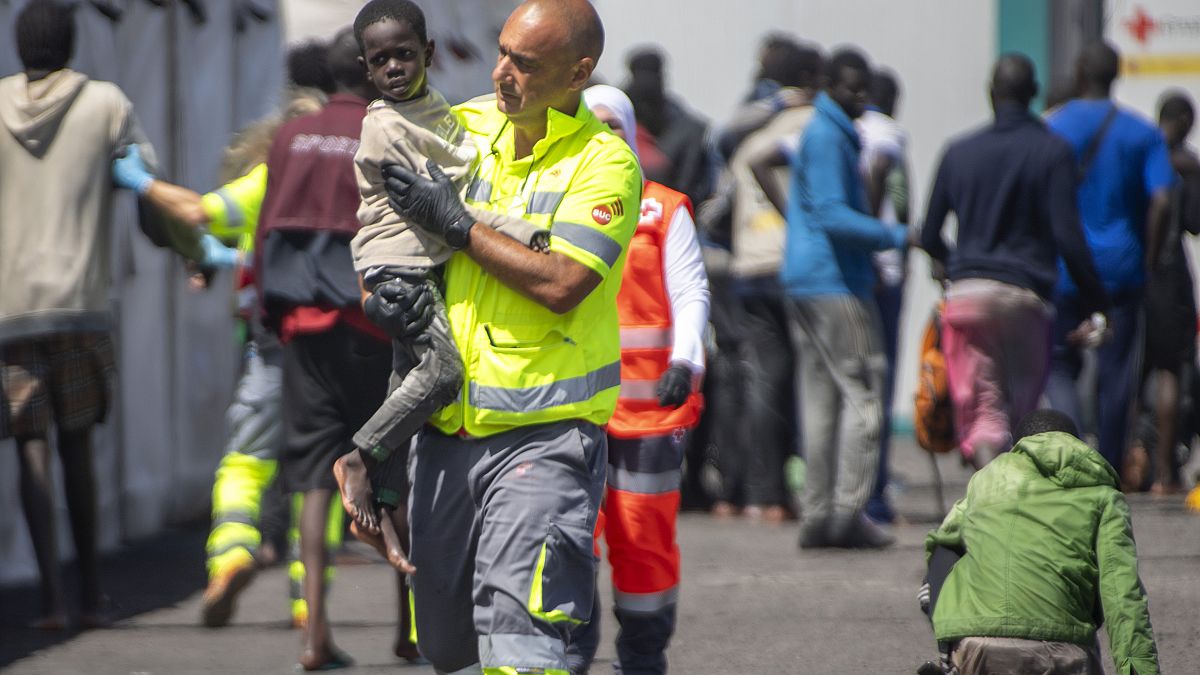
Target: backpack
x=933, y=411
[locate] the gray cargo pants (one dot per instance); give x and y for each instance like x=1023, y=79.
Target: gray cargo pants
x=502, y=541
x=426, y=376
x=841, y=372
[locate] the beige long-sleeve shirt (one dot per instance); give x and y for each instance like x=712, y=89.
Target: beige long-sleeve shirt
x=408, y=133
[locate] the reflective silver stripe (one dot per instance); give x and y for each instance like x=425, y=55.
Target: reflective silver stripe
x=643, y=483
x=518, y=651
x=479, y=190
x=646, y=603
x=543, y=202
x=639, y=390
x=234, y=517
x=233, y=212
x=646, y=338
x=541, y=397
x=589, y=239
x=472, y=669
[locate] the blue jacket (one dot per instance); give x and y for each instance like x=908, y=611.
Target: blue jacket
x=830, y=237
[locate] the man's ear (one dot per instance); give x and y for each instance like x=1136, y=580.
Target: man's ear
x=430, y=48
x=581, y=73
x=363, y=62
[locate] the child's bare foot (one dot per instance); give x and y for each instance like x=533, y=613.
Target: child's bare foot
x=375, y=541
x=350, y=470
x=394, y=547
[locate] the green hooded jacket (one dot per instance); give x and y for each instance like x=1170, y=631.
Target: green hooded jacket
x=1049, y=554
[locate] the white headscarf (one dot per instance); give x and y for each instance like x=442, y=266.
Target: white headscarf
x=616, y=102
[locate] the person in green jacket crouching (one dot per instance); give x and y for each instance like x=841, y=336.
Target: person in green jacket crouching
x=1047, y=556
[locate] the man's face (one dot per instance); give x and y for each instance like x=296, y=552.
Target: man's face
x=849, y=90
x=395, y=59
x=535, y=68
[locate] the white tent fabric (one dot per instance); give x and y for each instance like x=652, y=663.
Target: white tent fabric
x=192, y=84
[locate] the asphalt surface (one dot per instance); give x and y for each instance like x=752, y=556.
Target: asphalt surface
x=751, y=601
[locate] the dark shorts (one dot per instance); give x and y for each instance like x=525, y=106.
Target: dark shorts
x=65, y=378
x=332, y=383
x=1170, y=319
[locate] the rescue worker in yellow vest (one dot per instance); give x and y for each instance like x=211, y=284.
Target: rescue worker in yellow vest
x=250, y=462
x=506, y=487
x=663, y=308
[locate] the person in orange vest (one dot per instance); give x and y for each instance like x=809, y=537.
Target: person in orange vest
x=663, y=310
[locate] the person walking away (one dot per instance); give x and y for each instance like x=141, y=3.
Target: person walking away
x=335, y=361
x=828, y=276
x=1011, y=185
x=1123, y=198
x=1170, y=298
x=507, y=484
x=62, y=131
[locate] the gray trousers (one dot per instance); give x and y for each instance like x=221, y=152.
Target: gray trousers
x=838, y=340
x=986, y=655
x=254, y=415
x=502, y=536
x=426, y=376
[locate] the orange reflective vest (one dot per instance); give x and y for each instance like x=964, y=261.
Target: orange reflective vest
x=646, y=328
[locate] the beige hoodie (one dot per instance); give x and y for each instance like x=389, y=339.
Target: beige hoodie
x=57, y=144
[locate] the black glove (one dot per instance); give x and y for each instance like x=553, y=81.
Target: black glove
x=401, y=309
x=431, y=203
x=674, y=386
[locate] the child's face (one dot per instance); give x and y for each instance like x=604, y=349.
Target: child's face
x=396, y=59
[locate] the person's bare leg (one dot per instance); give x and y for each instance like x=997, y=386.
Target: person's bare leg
x=394, y=524
x=75, y=449
x=1166, y=418
x=37, y=501
x=318, y=650
x=354, y=484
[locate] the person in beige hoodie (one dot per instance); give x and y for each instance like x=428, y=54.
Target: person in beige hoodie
x=61, y=133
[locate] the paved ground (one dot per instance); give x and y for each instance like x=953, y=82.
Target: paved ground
x=751, y=603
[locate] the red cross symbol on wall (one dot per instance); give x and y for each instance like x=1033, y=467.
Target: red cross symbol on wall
x=1141, y=25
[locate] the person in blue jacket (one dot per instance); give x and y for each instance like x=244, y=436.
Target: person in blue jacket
x=829, y=279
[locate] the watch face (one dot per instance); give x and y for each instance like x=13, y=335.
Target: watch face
x=458, y=234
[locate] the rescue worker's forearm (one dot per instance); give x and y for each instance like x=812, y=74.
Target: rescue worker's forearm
x=552, y=280
x=176, y=202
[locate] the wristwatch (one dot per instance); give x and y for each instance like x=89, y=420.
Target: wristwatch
x=458, y=235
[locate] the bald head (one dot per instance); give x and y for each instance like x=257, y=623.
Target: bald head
x=1098, y=66
x=1014, y=80
x=576, y=20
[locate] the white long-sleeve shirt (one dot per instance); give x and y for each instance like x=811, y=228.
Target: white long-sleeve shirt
x=687, y=289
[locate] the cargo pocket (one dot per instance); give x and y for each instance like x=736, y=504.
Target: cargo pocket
x=565, y=576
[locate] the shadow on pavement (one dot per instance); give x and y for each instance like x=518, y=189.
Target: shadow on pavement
x=141, y=576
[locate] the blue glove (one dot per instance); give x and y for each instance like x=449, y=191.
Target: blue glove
x=217, y=254
x=130, y=173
